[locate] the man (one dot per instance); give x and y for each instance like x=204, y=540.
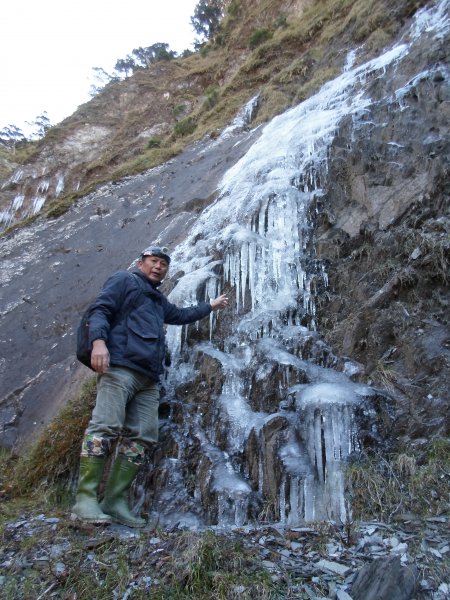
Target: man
x=126, y=330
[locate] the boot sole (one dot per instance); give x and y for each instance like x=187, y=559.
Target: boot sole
x=129, y=523
x=75, y=517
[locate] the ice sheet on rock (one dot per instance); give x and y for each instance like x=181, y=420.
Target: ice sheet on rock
x=401, y=94
x=186, y=291
x=295, y=459
x=59, y=185
x=319, y=394
x=226, y=479
x=316, y=480
x=232, y=496
x=264, y=194
x=233, y=405
x=186, y=294
x=241, y=419
x=244, y=118
x=277, y=353
x=231, y=363
x=435, y=21
x=260, y=229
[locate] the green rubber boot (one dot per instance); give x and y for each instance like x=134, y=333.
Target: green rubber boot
x=87, y=508
x=115, y=502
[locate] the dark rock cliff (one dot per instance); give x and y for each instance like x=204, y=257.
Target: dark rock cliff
x=383, y=229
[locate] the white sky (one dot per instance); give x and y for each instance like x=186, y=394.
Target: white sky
x=48, y=48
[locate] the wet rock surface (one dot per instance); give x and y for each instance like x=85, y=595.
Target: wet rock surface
x=68, y=261
x=405, y=560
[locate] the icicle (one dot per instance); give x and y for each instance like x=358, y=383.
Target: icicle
x=282, y=500
x=244, y=270
x=43, y=186
x=18, y=202
x=59, y=186
x=319, y=457
x=37, y=203
x=241, y=501
x=309, y=492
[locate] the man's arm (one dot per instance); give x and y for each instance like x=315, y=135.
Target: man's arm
x=182, y=316
x=106, y=307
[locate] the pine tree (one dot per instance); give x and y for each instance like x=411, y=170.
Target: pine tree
x=207, y=17
x=10, y=135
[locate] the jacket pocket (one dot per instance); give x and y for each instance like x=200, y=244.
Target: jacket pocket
x=144, y=342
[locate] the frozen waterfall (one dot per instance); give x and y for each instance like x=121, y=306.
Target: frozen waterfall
x=257, y=240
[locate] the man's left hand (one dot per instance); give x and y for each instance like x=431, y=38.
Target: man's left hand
x=219, y=302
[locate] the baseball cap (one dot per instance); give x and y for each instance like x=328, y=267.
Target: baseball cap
x=160, y=251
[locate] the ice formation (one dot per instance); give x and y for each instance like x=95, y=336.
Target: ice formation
x=259, y=225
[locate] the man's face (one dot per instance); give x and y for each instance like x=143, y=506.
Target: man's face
x=154, y=267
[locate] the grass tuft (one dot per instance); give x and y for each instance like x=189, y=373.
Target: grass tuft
x=53, y=458
x=384, y=487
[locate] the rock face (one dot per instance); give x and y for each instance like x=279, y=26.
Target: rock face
x=329, y=231
x=384, y=234
x=44, y=296
x=384, y=579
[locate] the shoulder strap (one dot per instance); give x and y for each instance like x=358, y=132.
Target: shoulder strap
x=141, y=285
x=139, y=299
x=139, y=281
x=127, y=309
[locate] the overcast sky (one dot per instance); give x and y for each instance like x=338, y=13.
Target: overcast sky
x=48, y=48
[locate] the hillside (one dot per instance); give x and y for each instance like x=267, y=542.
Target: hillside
x=281, y=50
x=300, y=163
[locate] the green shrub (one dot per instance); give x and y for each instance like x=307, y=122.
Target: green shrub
x=154, y=142
x=185, y=127
x=258, y=37
x=212, y=96
x=179, y=109
x=280, y=22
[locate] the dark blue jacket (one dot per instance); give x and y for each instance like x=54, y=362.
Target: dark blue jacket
x=137, y=342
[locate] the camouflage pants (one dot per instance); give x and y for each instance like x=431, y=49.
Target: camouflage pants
x=99, y=446
x=127, y=408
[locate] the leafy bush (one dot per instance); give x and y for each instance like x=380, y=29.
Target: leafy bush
x=258, y=37
x=212, y=96
x=154, y=142
x=185, y=127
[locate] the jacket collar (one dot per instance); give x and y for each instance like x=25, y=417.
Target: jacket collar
x=142, y=275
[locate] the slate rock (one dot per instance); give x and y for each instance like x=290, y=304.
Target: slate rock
x=385, y=579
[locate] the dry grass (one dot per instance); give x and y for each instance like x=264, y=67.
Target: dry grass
x=384, y=487
x=54, y=457
x=209, y=566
